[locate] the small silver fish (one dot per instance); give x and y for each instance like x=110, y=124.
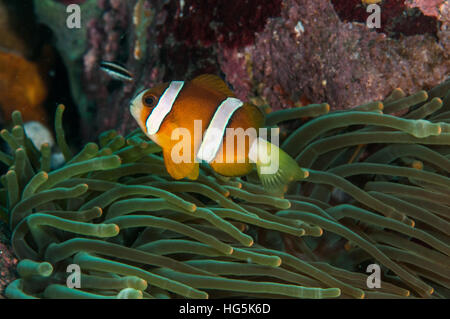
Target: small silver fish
x=116, y=71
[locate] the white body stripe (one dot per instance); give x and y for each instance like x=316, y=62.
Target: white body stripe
x=163, y=107
x=216, y=129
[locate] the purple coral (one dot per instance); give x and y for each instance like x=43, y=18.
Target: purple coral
x=310, y=52
x=395, y=17
x=104, y=41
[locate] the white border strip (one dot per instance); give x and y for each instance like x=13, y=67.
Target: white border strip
x=163, y=107
x=216, y=129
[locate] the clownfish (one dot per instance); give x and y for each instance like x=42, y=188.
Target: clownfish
x=207, y=110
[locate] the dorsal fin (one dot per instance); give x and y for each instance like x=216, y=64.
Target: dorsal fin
x=213, y=82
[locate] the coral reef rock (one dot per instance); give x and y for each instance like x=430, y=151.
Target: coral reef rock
x=310, y=51
x=283, y=52
x=376, y=193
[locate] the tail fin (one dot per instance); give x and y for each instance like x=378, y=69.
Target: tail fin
x=274, y=166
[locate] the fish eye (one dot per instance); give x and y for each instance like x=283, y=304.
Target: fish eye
x=149, y=100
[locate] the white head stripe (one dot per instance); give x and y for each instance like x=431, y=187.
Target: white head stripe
x=163, y=107
x=216, y=129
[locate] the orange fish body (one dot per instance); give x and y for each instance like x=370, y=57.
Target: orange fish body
x=203, y=112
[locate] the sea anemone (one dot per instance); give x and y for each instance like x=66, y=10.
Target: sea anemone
x=377, y=193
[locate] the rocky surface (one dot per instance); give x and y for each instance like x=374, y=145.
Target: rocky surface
x=285, y=52
x=8, y=261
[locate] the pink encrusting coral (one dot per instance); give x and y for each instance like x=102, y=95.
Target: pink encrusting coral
x=230, y=23
x=8, y=261
x=440, y=10
x=330, y=60
x=104, y=43
x=396, y=16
